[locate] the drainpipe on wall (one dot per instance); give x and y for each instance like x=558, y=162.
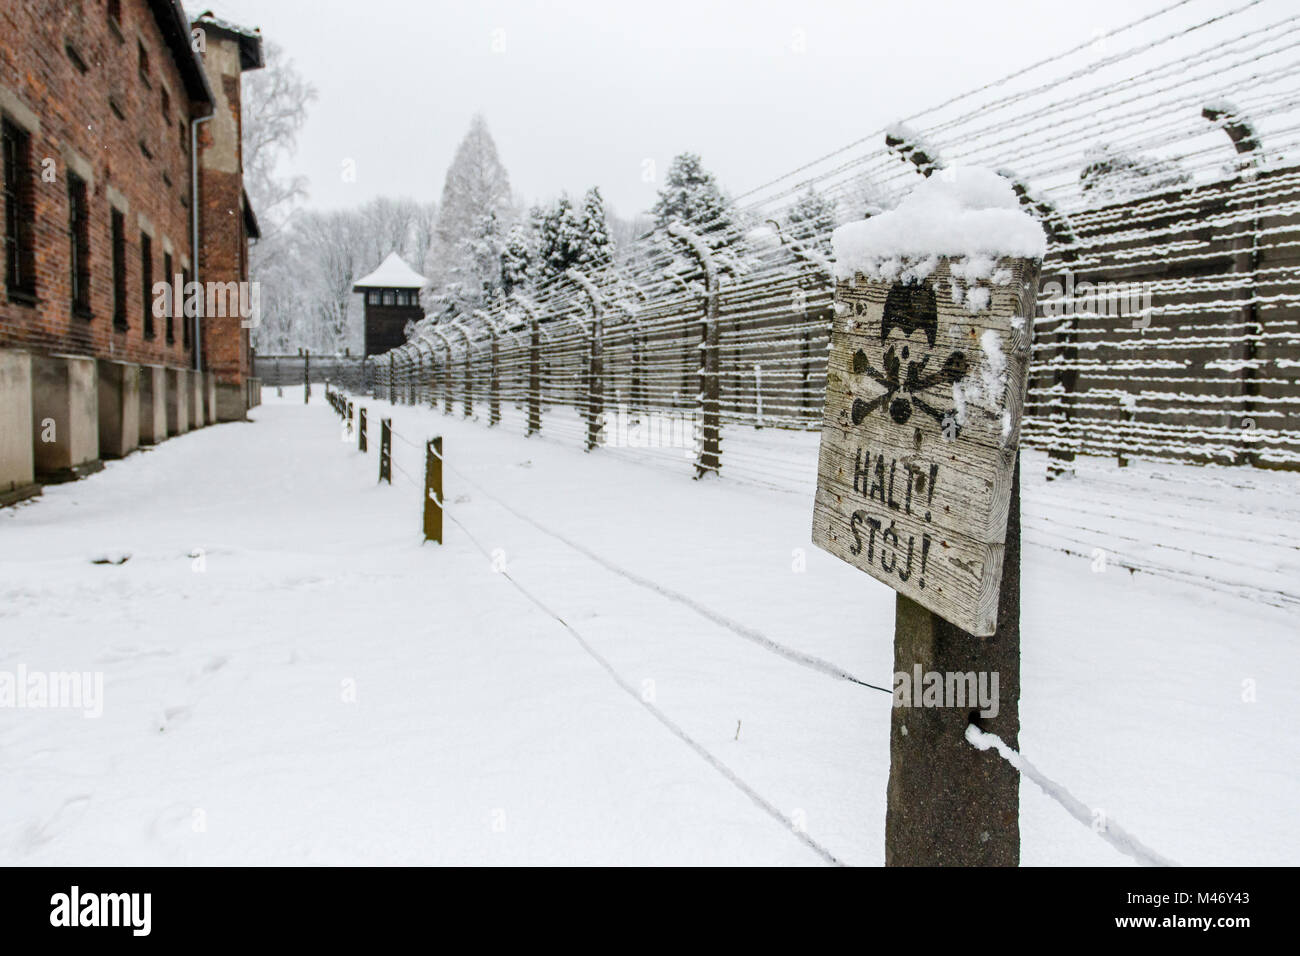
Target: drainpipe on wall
x=194, y=235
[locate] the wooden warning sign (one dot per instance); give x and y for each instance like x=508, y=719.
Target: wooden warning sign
x=925, y=388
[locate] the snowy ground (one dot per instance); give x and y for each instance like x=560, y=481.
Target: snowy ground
x=317, y=687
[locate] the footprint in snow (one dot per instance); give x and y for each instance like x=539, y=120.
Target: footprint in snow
x=173, y=716
x=36, y=835
x=111, y=559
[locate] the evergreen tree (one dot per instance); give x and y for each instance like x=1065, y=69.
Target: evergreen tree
x=518, y=258
x=811, y=219
x=691, y=194
x=561, y=240
x=475, y=201
x=597, y=247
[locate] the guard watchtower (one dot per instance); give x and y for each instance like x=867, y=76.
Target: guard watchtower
x=392, y=299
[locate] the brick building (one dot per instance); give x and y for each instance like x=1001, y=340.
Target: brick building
x=103, y=105
x=226, y=218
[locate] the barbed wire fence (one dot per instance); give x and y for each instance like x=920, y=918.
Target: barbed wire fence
x=1160, y=158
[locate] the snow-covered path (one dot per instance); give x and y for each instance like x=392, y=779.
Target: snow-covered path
x=317, y=687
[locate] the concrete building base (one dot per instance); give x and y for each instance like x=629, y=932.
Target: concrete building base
x=153, y=404
x=65, y=417
x=178, y=402
x=231, y=403
x=210, y=397
x=17, y=459
x=119, y=408
x=198, y=414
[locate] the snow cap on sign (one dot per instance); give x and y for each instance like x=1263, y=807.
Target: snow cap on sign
x=959, y=211
x=393, y=273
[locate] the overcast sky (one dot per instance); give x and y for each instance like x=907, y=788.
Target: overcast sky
x=577, y=94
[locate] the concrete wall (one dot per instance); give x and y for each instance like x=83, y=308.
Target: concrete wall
x=65, y=416
x=153, y=404
x=198, y=415
x=119, y=408
x=17, y=461
x=178, y=402
x=210, y=397
x=232, y=403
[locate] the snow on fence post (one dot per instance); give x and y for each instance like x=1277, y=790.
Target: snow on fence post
x=918, y=485
x=446, y=373
x=710, y=452
x=386, y=450
x=1245, y=263
x=467, y=400
x=1065, y=375
x=433, y=500
x=349, y=419
x=596, y=358
x=534, y=366
x=494, y=367
x=361, y=429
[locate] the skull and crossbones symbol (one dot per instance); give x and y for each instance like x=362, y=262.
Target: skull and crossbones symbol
x=908, y=307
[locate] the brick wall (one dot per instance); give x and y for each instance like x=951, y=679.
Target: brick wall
x=110, y=125
x=223, y=251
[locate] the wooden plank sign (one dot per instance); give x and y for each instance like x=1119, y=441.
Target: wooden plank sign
x=925, y=388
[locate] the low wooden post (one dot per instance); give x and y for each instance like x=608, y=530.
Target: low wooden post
x=919, y=486
x=361, y=430
x=433, y=500
x=306, y=376
x=386, y=450
x=349, y=418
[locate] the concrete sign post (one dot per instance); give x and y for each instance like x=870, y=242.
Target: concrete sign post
x=918, y=487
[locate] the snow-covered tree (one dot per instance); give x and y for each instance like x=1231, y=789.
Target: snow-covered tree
x=518, y=258
x=811, y=218
x=476, y=186
x=691, y=194
x=597, y=247
x=275, y=102
x=561, y=241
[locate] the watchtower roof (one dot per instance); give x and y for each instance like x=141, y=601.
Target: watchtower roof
x=393, y=273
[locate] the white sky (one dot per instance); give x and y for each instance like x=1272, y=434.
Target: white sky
x=584, y=93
